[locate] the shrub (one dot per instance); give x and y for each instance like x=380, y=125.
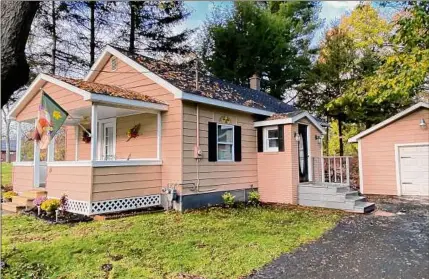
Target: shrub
x=228, y=199
x=9, y=194
x=254, y=198
x=39, y=200
x=50, y=205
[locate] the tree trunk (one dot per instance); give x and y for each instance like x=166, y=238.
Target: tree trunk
x=92, y=30
x=132, y=27
x=16, y=19
x=340, y=134
x=54, y=38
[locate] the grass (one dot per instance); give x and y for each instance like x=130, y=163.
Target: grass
x=212, y=243
x=6, y=173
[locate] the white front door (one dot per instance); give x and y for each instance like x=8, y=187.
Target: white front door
x=414, y=170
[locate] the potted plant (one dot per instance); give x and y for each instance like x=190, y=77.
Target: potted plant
x=50, y=205
x=7, y=196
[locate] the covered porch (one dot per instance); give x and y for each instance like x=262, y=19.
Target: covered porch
x=95, y=161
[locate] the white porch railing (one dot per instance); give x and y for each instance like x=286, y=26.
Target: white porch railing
x=336, y=169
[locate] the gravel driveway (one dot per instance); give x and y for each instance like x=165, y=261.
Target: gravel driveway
x=364, y=246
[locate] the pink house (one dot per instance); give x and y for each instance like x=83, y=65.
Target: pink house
x=394, y=154
x=199, y=137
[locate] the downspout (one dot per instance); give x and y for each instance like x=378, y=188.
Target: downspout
x=198, y=149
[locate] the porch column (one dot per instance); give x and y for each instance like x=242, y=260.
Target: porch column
x=158, y=134
x=18, y=142
x=76, y=133
x=94, y=130
x=51, y=151
x=36, y=162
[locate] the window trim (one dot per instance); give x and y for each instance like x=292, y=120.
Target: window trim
x=100, y=143
x=265, y=139
x=226, y=143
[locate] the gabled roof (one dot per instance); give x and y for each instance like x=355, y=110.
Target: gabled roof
x=180, y=79
x=110, y=90
x=89, y=91
x=289, y=118
x=12, y=145
x=389, y=120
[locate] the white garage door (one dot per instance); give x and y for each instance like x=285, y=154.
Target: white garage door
x=414, y=170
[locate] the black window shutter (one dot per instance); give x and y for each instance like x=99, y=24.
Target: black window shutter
x=281, y=138
x=212, y=142
x=237, y=143
x=260, y=140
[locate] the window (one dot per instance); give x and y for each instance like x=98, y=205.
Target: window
x=225, y=142
x=271, y=139
x=114, y=63
x=107, y=140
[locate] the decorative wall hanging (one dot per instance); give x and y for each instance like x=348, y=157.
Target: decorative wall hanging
x=86, y=136
x=133, y=132
x=225, y=119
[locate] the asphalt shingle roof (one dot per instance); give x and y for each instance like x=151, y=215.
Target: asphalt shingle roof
x=183, y=77
x=110, y=90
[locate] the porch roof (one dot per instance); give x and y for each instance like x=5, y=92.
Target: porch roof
x=290, y=118
x=90, y=91
x=110, y=90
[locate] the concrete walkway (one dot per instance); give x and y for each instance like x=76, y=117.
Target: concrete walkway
x=392, y=243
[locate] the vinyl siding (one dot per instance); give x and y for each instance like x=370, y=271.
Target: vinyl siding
x=65, y=98
x=171, y=146
x=219, y=176
x=22, y=178
x=122, y=182
x=75, y=182
x=378, y=151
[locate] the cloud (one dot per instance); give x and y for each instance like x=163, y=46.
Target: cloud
x=342, y=4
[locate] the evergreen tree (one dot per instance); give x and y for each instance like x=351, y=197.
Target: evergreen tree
x=270, y=39
x=149, y=27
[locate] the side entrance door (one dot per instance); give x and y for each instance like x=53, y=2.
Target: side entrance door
x=303, y=153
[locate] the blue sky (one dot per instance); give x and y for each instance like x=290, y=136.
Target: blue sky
x=331, y=10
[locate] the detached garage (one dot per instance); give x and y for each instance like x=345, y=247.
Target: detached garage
x=394, y=154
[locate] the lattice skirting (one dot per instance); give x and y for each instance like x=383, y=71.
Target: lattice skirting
x=125, y=204
x=108, y=206
x=79, y=207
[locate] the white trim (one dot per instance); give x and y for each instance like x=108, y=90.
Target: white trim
x=77, y=138
x=389, y=120
x=398, y=163
x=18, y=142
x=23, y=164
x=85, y=163
x=131, y=162
x=266, y=147
x=108, y=51
x=225, y=143
x=94, y=132
x=218, y=103
x=51, y=151
x=37, y=83
x=158, y=135
x=360, y=166
x=290, y=120
x=100, y=164
x=101, y=137
x=105, y=99
x=309, y=159
x=36, y=160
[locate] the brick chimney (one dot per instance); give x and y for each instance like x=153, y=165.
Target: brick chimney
x=255, y=82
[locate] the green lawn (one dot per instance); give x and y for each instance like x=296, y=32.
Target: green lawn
x=214, y=243
x=6, y=173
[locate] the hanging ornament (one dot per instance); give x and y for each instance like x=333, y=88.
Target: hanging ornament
x=133, y=132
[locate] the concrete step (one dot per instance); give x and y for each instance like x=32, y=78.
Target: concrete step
x=351, y=194
x=364, y=207
x=33, y=194
x=19, y=200
x=12, y=207
x=355, y=199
